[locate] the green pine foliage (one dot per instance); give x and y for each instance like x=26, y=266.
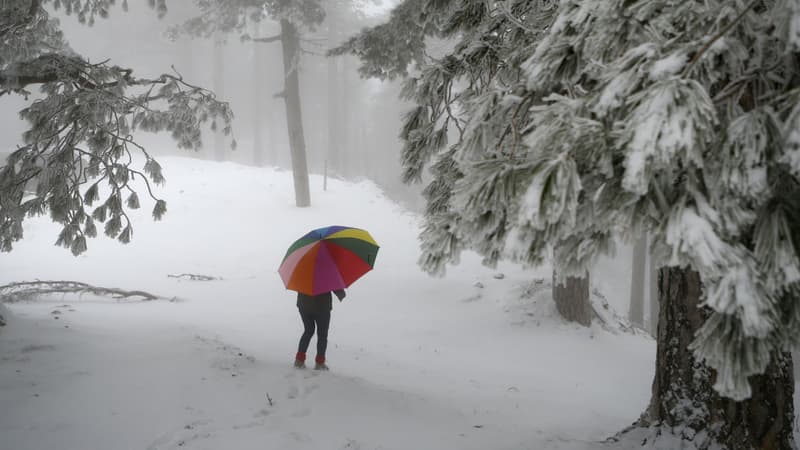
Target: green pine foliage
x=79, y=148
x=556, y=126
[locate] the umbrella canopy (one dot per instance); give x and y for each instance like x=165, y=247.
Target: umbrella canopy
x=327, y=259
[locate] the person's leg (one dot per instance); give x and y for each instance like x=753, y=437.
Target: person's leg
x=305, y=339
x=323, y=323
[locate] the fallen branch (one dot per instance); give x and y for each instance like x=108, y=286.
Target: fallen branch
x=194, y=277
x=27, y=290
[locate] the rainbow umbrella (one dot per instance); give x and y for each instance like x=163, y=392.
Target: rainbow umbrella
x=327, y=259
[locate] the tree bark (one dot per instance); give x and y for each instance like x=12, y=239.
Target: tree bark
x=636, y=311
x=290, y=44
x=572, y=299
x=682, y=397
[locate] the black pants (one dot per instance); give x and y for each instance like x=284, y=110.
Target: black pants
x=322, y=320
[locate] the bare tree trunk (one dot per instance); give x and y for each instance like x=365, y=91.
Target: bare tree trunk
x=345, y=131
x=636, y=311
x=258, y=100
x=272, y=134
x=218, y=59
x=294, y=118
x=572, y=299
x=334, y=103
x=683, y=399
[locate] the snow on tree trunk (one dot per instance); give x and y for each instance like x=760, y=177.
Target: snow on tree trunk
x=572, y=299
x=636, y=311
x=682, y=396
x=290, y=44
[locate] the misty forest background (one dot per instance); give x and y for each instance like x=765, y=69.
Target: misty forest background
x=350, y=124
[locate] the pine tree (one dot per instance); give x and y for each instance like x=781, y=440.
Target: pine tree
x=579, y=121
x=81, y=125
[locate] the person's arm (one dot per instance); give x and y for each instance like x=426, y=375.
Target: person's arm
x=340, y=294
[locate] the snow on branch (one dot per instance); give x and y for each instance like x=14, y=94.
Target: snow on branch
x=81, y=132
x=28, y=290
x=193, y=277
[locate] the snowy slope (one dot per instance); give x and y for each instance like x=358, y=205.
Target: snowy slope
x=461, y=362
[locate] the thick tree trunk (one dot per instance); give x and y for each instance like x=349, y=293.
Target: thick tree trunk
x=294, y=119
x=683, y=400
x=636, y=311
x=572, y=299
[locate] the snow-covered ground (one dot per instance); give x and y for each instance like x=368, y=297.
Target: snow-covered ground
x=469, y=361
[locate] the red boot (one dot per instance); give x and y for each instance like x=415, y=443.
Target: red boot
x=300, y=360
x=320, y=363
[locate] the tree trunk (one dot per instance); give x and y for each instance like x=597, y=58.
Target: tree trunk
x=572, y=299
x=652, y=286
x=218, y=59
x=273, y=156
x=636, y=311
x=258, y=101
x=294, y=119
x=683, y=400
x=345, y=130
x=334, y=103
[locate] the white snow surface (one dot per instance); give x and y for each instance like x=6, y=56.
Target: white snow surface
x=461, y=362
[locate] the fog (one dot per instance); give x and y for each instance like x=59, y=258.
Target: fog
x=361, y=117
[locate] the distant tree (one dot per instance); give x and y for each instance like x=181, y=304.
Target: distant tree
x=652, y=290
x=81, y=126
x=579, y=119
x=294, y=16
x=259, y=122
x=218, y=81
x=337, y=122
x=638, y=261
x=344, y=100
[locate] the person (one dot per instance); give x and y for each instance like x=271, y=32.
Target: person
x=315, y=310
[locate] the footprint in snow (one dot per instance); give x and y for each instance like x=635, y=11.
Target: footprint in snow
x=178, y=439
x=230, y=358
x=301, y=385
x=351, y=444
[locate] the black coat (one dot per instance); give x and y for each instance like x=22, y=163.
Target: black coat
x=319, y=303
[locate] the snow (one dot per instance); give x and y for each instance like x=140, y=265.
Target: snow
x=474, y=360
x=730, y=274
x=669, y=122
x=668, y=66
x=691, y=235
x=791, y=155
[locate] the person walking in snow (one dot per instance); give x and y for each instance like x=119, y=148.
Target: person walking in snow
x=315, y=311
